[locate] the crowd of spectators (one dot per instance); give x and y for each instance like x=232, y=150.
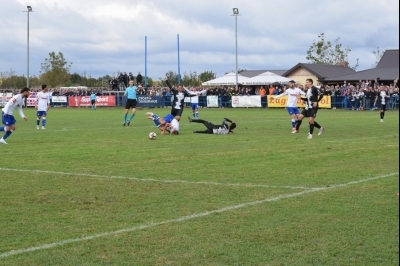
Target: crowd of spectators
x=356, y=96
x=121, y=82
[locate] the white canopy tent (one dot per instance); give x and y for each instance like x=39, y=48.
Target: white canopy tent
x=266, y=78
x=228, y=79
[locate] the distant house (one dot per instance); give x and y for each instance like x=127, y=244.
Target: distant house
x=316, y=72
x=387, y=70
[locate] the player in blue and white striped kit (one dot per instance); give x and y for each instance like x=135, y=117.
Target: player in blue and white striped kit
x=16, y=102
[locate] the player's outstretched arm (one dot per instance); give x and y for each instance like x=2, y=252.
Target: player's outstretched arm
x=167, y=81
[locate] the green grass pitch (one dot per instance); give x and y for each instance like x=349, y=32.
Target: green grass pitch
x=88, y=191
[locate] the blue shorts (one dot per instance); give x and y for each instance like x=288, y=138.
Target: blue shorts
x=168, y=118
x=293, y=110
x=194, y=106
x=41, y=113
x=8, y=120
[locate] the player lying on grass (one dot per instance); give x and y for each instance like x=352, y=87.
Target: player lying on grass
x=224, y=128
x=168, y=123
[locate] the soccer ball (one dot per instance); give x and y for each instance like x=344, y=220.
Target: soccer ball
x=152, y=135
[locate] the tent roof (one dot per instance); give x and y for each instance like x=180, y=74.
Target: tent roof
x=266, y=78
x=228, y=79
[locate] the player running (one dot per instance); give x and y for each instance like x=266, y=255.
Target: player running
x=293, y=94
x=8, y=119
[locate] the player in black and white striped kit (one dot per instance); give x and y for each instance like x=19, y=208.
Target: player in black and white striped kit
x=224, y=128
x=179, y=97
x=381, y=97
x=313, y=97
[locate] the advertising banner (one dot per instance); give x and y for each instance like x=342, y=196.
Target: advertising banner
x=59, y=99
x=31, y=99
x=147, y=101
x=281, y=102
x=212, y=101
x=77, y=101
x=246, y=101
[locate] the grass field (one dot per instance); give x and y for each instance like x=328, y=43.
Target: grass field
x=87, y=191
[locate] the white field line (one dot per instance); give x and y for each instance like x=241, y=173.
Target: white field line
x=157, y=180
x=185, y=218
x=361, y=139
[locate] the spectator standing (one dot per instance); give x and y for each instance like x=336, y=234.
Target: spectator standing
x=271, y=90
x=139, y=78
x=131, y=77
x=125, y=77
x=262, y=91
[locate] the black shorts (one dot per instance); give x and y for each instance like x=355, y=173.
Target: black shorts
x=176, y=112
x=312, y=112
x=304, y=113
x=130, y=103
x=383, y=107
x=92, y=101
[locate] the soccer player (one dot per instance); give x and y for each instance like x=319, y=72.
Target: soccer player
x=42, y=106
x=161, y=123
x=179, y=97
x=172, y=127
x=224, y=128
x=131, y=102
x=8, y=119
x=194, y=101
x=381, y=96
x=93, y=98
x=300, y=118
x=293, y=94
x=313, y=97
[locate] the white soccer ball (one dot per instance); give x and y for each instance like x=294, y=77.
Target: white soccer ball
x=152, y=135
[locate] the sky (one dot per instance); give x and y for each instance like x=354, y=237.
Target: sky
x=102, y=37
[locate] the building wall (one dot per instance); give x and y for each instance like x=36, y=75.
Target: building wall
x=301, y=74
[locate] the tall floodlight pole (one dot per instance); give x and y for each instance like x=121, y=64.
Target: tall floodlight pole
x=179, y=63
x=145, y=61
x=236, y=14
x=27, y=49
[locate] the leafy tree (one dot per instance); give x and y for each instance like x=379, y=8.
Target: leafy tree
x=190, y=79
x=326, y=52
x=378, y=55
x=9, y=80
x=150, y=82
x=206, y=76
x=75, y=79
x=172, y=77
x=55, y=70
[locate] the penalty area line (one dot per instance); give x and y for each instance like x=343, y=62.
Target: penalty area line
x=186, y=218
